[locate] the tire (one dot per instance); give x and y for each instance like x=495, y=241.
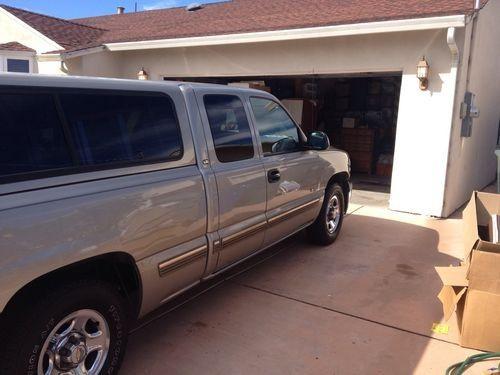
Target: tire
x=321, y=232
x=29, y=327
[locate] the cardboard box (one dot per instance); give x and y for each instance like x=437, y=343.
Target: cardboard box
x=476, y=220
x=349, y=122
x=472, y=290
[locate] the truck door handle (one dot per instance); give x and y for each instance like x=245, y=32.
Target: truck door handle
x=273, y=175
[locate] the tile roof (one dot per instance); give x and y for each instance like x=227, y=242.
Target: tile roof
x=15, y=46
x=240, y=16
x=230, y=17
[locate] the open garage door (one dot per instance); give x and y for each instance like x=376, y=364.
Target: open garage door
x=358, y=112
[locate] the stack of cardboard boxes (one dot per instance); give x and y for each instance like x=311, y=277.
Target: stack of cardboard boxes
x=472, y=290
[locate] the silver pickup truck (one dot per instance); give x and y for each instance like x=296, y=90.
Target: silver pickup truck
x=116, y=196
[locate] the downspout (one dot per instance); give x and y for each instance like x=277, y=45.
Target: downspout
x=455, y=61
x=64, y=67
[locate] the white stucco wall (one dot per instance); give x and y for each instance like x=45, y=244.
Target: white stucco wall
x=424, y=122
x=472, y=163
x=102, y=64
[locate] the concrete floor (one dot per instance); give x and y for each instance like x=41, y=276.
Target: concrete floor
x=364, y=305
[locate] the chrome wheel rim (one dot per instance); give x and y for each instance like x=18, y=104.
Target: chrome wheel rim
x=78, y=345
x=333, y=214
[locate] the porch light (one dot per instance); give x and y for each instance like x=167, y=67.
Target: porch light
x=142, y=75
x=423, y=73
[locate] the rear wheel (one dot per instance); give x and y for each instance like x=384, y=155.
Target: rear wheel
x=78, y=329
x=327, y=226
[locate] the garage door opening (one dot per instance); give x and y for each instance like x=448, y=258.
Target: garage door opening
x=359, y=114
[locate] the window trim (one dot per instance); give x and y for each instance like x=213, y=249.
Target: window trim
x=242, y=100
x=4, y=55
x=80, y=169
x=302, y=136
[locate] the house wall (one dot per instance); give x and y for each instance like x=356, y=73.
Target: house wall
x=472, y=163
x=102, y=64
x=425, y=117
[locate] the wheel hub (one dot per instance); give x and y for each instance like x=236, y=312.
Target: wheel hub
x=71, y=351
x=78, y=344
x=333, y=214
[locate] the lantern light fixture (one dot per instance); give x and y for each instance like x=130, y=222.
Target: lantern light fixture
x=423, y=73
x=142, y=75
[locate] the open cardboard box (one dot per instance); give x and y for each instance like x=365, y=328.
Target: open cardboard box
x=473, y=288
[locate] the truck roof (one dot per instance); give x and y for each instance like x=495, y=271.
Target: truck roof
x=35, y=79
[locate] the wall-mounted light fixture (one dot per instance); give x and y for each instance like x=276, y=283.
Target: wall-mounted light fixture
x=423, y=73
x=142, y=75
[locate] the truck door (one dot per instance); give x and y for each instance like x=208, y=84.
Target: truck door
x=239, y=172
x=293, y=174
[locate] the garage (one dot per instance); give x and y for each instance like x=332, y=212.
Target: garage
x=351, y=69
x=358, y=112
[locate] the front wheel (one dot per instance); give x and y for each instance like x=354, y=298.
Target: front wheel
x=77, y=329
x=326, y=228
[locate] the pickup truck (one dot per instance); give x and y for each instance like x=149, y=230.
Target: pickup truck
x=118, y=195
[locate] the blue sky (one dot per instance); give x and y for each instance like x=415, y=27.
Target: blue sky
x=86, y=8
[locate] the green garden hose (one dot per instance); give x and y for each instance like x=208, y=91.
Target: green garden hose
x=460, y=367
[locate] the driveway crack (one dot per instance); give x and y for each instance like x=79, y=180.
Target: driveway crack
x=344, y=313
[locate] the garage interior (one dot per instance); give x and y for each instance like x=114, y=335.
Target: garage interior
x=358, y=112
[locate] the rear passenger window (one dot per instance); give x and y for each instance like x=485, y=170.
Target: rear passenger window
x=31, y=134
x=47, y=132
x=230, y=128
x=112, y=128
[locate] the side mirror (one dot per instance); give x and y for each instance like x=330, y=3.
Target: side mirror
x=317, y=140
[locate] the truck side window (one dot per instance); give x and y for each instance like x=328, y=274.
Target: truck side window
x=230, y=128
x=31, y=134
x=48, y=132
x=278, y=133
x=109, y=128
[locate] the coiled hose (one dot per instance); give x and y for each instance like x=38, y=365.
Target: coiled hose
x=460, y=367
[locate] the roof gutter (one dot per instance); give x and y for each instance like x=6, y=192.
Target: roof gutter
x=413, y=24
x=82, y=52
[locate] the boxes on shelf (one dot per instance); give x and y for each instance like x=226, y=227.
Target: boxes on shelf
x=384, y=165
x=350, y=122
x=257, y=85
x=472, y=289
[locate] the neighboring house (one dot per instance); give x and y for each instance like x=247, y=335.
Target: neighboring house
x=357, y=61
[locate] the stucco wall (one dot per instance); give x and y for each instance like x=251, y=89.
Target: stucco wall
x=424, y=122
x=472, y=163
x=102, y=64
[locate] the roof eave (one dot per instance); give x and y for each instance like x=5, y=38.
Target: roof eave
x=413, y=24
x=82, y=52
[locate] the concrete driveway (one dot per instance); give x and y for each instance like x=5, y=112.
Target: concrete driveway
x=364, y=305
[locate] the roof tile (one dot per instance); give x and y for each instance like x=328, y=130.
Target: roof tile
x=231, y=17
x=15, y=46
x=67, y=34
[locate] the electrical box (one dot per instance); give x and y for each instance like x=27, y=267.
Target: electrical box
x=468, y=112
